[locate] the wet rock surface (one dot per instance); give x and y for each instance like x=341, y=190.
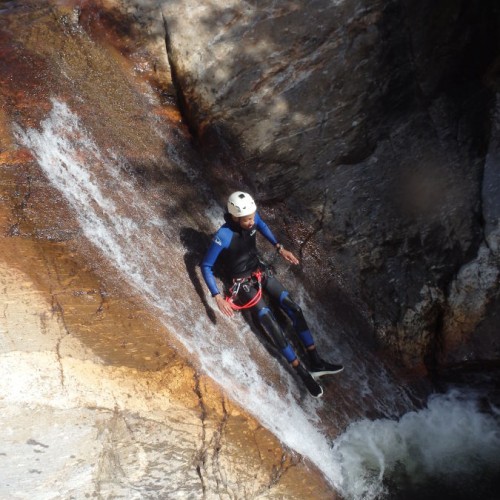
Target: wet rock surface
x=97, y=397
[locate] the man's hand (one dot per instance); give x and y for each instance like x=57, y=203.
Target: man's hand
x=289, y=256
x=224, y=306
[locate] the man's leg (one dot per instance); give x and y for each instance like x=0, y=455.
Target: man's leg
x=318, y=366
x=278, y=292
x=266, y=319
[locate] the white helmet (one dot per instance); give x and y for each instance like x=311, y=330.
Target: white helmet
x=241, y=204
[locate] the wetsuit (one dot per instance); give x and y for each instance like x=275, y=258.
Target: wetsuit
x=238, y=247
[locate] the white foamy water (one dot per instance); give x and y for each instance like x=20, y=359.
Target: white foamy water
x=449, y=442
x=142, y=243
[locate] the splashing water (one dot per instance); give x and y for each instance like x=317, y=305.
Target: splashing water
x=447, y=450
x=141, y=243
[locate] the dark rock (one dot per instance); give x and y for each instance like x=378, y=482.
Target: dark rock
x=368, y=119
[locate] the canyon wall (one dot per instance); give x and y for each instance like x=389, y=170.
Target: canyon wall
x=368, y=132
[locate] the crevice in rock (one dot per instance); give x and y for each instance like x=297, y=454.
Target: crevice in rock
x=58, y=309
x=179, y=92
x=318, y=224
x=27, y=194
x=100, y=307
x=217, y=445
x=20, y=207
x=276, y=472
x=201, y=455
x=109, y=459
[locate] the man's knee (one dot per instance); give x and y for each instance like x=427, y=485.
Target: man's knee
x=273, y=329
x=292, y=309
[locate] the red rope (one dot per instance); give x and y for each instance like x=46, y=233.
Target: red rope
x=253, y=300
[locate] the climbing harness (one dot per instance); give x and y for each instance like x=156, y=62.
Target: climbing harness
x=255, y=278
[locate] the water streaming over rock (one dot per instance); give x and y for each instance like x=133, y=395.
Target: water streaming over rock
x=118, y=219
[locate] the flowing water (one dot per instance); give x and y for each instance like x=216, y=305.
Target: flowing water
x=449, y=439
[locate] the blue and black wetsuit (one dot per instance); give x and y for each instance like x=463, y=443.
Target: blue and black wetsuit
x=238, y=248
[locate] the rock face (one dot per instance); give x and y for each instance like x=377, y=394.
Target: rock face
x=474, y=299
x=364, y=125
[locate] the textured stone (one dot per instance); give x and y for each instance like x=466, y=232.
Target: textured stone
x=474, y=294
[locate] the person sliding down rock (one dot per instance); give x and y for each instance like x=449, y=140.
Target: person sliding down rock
x=235, y=242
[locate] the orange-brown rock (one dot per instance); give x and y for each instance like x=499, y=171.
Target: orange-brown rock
x=95, y=401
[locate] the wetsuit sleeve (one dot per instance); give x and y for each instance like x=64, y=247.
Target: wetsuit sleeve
x=220, y=241
x=264, y=230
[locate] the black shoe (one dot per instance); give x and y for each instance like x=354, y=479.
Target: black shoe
x=312, y=386
x=325, y=368
x=320, y=367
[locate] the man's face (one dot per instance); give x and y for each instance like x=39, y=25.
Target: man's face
x=248, y=221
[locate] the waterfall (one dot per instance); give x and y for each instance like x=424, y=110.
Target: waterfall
x=124, y=226
x=142, y=243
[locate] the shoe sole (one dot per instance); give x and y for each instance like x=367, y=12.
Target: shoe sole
x=317, y=375
x=319, y=395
